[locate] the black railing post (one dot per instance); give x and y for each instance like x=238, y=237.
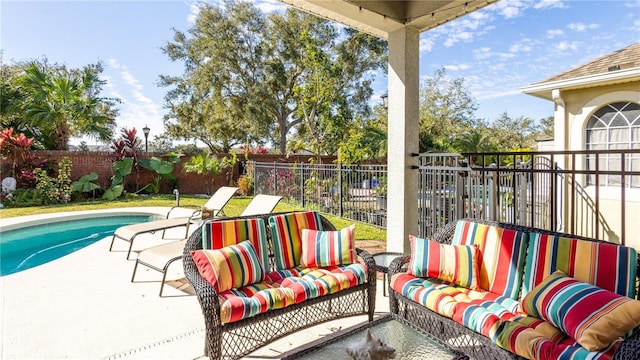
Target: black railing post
x=275, y=179
x=302, y=185
x=340, y=210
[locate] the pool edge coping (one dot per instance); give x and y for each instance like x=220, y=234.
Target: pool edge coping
x=19, y=222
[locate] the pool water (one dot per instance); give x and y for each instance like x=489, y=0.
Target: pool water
x=25, y=248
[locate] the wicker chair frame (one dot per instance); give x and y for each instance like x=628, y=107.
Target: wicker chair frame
x=461, y=338
x=237, y=339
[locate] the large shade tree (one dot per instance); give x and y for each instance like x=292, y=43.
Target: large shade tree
x=53, y=103
x=447, y=110
x=337, y=85
x=251, y=78
x=217, y=99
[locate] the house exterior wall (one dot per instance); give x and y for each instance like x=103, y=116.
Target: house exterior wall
x=573, y=110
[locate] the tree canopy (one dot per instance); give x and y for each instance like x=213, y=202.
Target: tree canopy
x=52, y=103
x=252, y=78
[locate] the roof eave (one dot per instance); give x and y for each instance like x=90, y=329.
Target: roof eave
x=543, y=90
x=378, y=25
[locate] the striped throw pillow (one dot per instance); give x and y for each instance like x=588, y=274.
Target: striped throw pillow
x=229, y=267
x=592, y=316
x=455, y=264
x=328, y=248
x=285, y=229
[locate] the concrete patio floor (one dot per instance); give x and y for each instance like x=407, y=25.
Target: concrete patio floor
x=83, y=306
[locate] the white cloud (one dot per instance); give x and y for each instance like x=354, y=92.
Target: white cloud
x=554, y=32
x=136, y=109
x=549, y=4
x=114, y=63
x=522, y=46
x=482, y=53
x=269, y=6
x=195, y=11
x=580, y=27
x=457, y=67
x=426, y=44
x=464, y=36
x=510, y=8
x=566, y=45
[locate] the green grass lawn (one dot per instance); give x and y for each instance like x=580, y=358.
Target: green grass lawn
x=233, y=208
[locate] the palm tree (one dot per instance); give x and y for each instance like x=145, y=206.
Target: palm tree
x=476, y=140
x=62, y=103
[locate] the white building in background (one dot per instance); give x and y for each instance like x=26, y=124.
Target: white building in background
x=597, y=107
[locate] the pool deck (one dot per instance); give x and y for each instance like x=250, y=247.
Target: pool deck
x=84, y=306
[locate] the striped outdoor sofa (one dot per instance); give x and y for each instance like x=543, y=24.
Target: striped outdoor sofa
x=501, y=291
x=259, y=278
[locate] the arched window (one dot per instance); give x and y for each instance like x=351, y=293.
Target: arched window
x=614, y=126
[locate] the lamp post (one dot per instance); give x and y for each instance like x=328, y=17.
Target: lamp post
x=385, y=100
x=146, y=130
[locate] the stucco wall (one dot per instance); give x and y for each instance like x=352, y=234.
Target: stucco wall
x=575, y=107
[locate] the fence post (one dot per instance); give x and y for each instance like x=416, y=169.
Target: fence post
x=493, y=183
x=340, y=211
x=275, y=179
x=302, y=184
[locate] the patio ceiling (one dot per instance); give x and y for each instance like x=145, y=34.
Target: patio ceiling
x=381, y=17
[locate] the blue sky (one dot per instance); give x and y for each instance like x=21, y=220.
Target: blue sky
x=496, y=50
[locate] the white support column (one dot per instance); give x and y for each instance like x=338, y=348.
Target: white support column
x=403, y=130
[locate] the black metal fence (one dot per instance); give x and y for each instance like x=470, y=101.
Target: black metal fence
x=589, y=193
x=577, y=192
x=356, y=192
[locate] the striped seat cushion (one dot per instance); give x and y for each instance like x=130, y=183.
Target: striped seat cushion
x=309, y=283
x=608, y=266
x=536, y=339
x=286, y=233
x=229, y=267
x=594, y=317
x=502, y=255
x=248, y=301
x=482, y=316
x=444, y=298
x=217, y=234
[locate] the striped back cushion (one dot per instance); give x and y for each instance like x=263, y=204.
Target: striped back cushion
x=608, y=266
x=287, y=243
x=502, y=255
x=218, y=234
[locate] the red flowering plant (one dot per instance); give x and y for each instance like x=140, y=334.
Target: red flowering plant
x=17, y=158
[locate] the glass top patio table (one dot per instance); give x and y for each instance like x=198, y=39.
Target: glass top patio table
x=409, y=342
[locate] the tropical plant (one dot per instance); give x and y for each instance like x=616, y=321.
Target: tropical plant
x=21, y=161
x=56, y=103
x=85, y=183
x=121, y=169
x=58, y=189
x=245, y=185
x=163, y=170
x=208, y=165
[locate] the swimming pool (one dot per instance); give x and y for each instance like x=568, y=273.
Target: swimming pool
x=31, y=246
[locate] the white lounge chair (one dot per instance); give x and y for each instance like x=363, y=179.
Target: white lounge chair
x=210, y=209
x=161, y=256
